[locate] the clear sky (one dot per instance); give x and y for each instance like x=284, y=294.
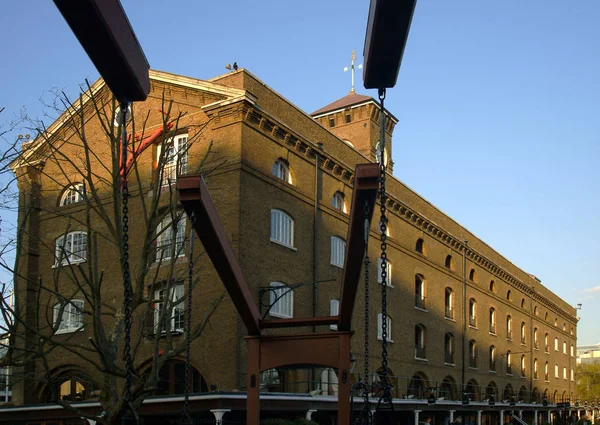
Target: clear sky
x=498, y=103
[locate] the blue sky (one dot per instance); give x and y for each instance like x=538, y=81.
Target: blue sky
x=498, y=103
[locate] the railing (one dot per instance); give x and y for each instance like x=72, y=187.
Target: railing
x=535, y=345
x=493, y=365
x=420, y=352
x=522, y=339
x=473, y=362
x=547, y=349
x=509, y=335
x=419, y=301
x=449, y=358
x=509, y=369
x=492, y=328
x=473, y=321
x=547, y=377
x=449, y=312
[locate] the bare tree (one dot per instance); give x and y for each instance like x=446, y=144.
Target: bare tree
x=76, y=311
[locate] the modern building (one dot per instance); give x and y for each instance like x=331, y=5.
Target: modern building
x=462, y=318
x=587, y=354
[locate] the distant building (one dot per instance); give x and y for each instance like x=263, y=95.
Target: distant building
x=588, y=354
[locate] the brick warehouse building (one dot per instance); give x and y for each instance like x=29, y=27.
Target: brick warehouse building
x=272, y=161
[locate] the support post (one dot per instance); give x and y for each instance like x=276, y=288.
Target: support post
x=549, y=416
x=521, y=414
x=416, y=416
x=344, y=381
x=253, y=384
x=501, y=416
x=309, y=414
x=452, y=416
x=219, y=413
x=535, y=418
x=479, y=417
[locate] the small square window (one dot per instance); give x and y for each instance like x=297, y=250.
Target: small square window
x=348, y=119
x=331, y=122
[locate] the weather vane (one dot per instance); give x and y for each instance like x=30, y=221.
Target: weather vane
x=351, y=68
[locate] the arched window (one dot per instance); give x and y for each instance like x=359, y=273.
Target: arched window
x=282, y=228
x=72, y=194
x=523, y=303
x=170, y=239
x=449, y=303
x=546, y=316
x=493, y=286
x=564, y=327
x=492, y=358
x=535, y=338
x=380, y=328
x=71, y=248
x=421, y=248
x=420, y=291
x=556, y=321
x=572, y=330
x=472, y=390
x=334, y=310
x=509, y=328
x=449, y=262
x=338, y=202
x=473, y=312
x=68, y=317
x=69, y=385
x=448, y=389
x=546, y=343
x=523, y=329
x=449, y=348
x=388, y=280
x=418, y=386
x=509, y=295
x=572, y=351
x=522, y=364
x=420, y=334
x=564, y=373
x=171, y=379
x=564, y=347
x=508, y=393
x=281, y=300
x=281, y=170
x=270, y=381
x=338, y=250
x=472, y=353
x=473, y=275
x=492, y=320
x=572, y=374
x=546, y=373
x=491, y=391
x=535, y=369
x=508, y=363
x=556, y=344
x=329, y=382
x=556, y=370
x=535, y=310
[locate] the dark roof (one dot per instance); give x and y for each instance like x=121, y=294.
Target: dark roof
x=350, y=100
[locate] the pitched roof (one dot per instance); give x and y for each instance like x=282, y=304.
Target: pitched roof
x=349, y=100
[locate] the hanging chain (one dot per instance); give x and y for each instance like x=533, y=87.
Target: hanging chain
x=366, y=415
x=127, y=289
x=188, y=328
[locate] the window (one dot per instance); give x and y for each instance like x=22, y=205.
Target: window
x=338, y=202
x=492, y=358
x=449, y=263
x=565, y=373
x=564, y=327
x=473, y=275
x=509, y=328
x=281, y=300
x=555, y=321
x=546, y=376
x=420, y=342
x=72, y=195
x=281, y=170
x=546, y=316
x=71, y=318
x=535, y=310
x=492, y=320
x=338, y=250
x=449, y=303
x=522, y=364
x=508, y=363
x=175, y=160
x=420, y=291
x=556, y=370
x=282, y=228
x=449, y=348
x=572, y=351
x=535, y=369
x=348, y=118
x=331, y=122
x=493, y=286
x=388, y=268
x=523, y=329
x=334, y=310
x=71, y=248
x=546, y=343
x=572, y=374
x=472, y=353
x=555, y=344
x=473, y=313
x=572, y=330
x=523, y=303
x=535, y=338
x=420, y=247
x=387, y=228
x=509, y=295
x=564, y=347
x=170, y=239
x=170, y=308
x=388, y=326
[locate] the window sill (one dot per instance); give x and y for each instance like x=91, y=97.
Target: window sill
x=493, y=334
x=182, y=259
x=473, y=368
x=474, y=327
x=419, y=359
x=492, y=371
x=387, y=285
x=71, y=263
x=283, y=245
x=337, y=265
x=281, y=316
x=509, y=374
x=422, y=309
x=333, y=327
x=450, y=319
x=381, y=339
x=163, y=334
x=68, y=331
x=509, y=339
x=547, y=382
x=449, y=364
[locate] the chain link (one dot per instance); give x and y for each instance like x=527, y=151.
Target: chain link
x=366, y=415
x=188, y=328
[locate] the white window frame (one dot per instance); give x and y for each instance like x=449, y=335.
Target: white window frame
x=175, y=162
x=284, y=307
x=65, y=253
x=334, y=310
x=282, y=228
x=556, y=370
x=389, y=273
x=175, y=309
x=556, y=344
x=72, y=195
x=165, y=238
x=72, y=316
x=380, y=328
x=565, y=373
x=564, y=347
x=281, y=171
x=338, y=202
x=338, y=251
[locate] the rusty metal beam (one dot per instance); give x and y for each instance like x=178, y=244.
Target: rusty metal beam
x=195, y=198
x=366, y=183
x=292, y=323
